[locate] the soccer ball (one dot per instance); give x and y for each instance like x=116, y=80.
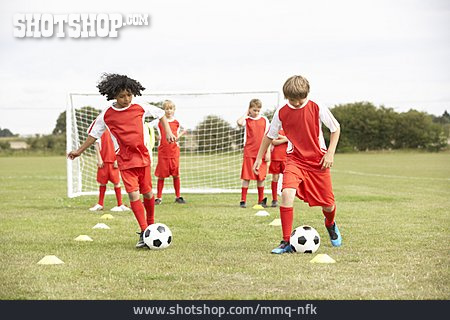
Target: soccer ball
x=157, y=236
x=305, y=239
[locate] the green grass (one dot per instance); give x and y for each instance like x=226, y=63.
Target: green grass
x=393, y=212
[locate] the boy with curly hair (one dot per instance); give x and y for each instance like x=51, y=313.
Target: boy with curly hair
x=125, y=121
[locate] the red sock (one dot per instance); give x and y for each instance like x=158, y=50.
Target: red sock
x=139, y=213
x=260, y=194
x=329, y=217
x=118, y=192
x=287, y=216
x=101, y=195
x=176, y=186
x=274, y=190
x=244, y=193
x=149, y=205
x=160, y=188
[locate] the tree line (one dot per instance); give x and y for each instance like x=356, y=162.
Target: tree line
x=364, y=127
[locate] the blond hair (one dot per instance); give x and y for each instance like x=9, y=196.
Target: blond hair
x=168, y=103
x=296, y=87
x=255, y=103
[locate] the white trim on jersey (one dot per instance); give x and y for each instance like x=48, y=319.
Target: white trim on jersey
x=266, y=129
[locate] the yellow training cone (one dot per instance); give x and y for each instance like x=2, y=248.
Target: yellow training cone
x=83, y=237
x=107, y=216
x=322, y=258
x=258, y=207
x=50, y=260
x=275, y=222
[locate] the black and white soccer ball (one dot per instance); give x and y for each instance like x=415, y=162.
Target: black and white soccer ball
x=305, y=239
x=157, y=236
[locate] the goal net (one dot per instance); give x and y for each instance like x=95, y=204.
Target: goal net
x=211, y=151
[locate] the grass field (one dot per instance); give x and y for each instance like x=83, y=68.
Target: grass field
x=393, y=212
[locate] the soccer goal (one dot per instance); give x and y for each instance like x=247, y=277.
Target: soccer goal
x=211, y=150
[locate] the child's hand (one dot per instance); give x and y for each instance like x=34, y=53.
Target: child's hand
x=100, y=163
x=256, y=165
x=327, y=161
x=73, y=154
x=170, y=137
x=115, y=165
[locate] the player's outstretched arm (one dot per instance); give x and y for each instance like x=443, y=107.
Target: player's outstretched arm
x=261, y=153
x=76, y=153
x=169, y=135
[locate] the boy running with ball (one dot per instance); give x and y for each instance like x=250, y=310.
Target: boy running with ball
x=125, y=121
x=307, y=172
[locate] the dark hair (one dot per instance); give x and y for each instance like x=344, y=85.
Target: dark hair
x=111, y=84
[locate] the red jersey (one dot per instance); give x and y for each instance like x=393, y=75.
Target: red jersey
x=107, y=150
x=279, y=152
x=127, y=132
x=255, y=129
x=166, y=149
x=303, y=128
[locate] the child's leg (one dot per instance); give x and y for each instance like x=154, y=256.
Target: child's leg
x=260, y=185
x=244, y=191
x=149, y=204
x=274, y=186
x=160, y=188
x=287, y=211
x=101, y=194
x=118, y=192
x=138, y=209
x=176, y=186
x=329, y=213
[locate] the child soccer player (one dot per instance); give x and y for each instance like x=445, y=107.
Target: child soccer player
x=277, y=163
x=125, y=121
x=169, y=154
x=255, y=127
x=107, y=170
x=307, y=172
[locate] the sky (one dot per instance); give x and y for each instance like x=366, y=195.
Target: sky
x=393, y=53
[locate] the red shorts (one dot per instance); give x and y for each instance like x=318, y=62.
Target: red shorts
x=135, y=179
x=108, y=173
x=247, y=170
x=167, y=167
x=277, y=167
x=313, y=187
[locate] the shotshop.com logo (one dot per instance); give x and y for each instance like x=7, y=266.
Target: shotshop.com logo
x=74, y=25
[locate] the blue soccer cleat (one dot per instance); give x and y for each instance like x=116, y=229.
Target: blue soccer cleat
x=335, y=235
x=284, y=247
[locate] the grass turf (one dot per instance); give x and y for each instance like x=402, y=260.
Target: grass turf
x=392, y=210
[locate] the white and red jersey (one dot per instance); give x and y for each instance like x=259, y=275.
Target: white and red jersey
x=107, y=150
x=255, y=129
x=127, y=132
x=279, y=151
x=303, y=128
x=166, y=149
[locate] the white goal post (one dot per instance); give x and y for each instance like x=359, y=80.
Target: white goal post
x=211, y=150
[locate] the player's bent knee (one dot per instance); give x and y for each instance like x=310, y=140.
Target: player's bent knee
x=328, y=209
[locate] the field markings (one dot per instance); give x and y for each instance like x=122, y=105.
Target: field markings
x=389, y=176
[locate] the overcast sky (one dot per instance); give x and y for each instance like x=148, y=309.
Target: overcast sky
x=391, y=53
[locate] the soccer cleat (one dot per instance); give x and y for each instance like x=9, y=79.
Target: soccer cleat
x=140, y=243
x=116, y=209
x=274, y=204
x=124, y=208
x=263, y=203
x=284, y=247
x=158, y=201
x=180, y=200
x=242, y=204
x=335, y=235
x=97, y=207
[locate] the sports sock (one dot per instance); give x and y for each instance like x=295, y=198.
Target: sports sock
x=287, y=216
x=244, y=193
x=260, y=194
x=149, y=205
x=329, y=217
x=176, y=186
x=118, y=192
x=160, y=188
x=274, y=186
x=101, y=195
x=139, y=213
